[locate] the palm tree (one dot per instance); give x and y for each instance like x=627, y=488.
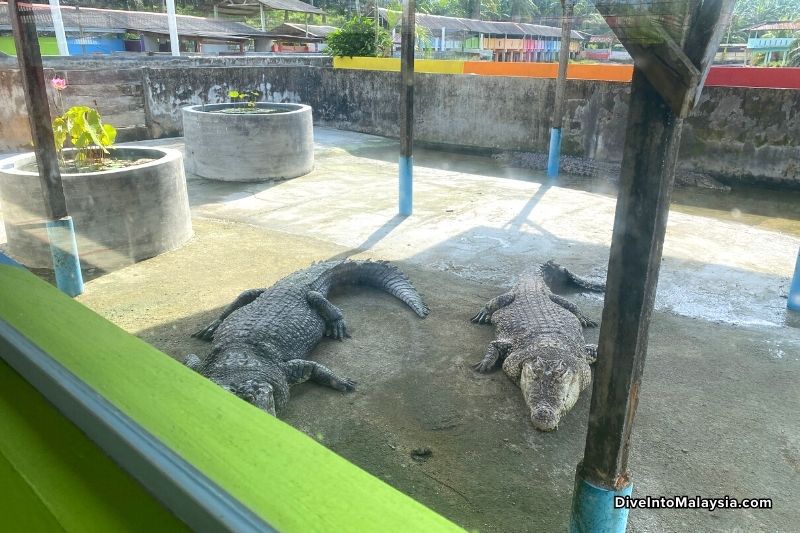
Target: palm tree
x=793, y=59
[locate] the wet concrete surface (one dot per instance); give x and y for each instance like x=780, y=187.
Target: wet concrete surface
x=719, y=402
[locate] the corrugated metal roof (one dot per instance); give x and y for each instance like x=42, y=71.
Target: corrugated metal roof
x=299, y=30
x=252, y=6
x=110, y=20
x=775, y=26
x=435, y=23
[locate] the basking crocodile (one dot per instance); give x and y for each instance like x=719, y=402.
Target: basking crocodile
x=608, y=170
x=540, y=343
x=261, y=340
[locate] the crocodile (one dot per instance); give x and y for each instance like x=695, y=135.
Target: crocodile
x=540, y=344
x=607, y=170
x=262, y=340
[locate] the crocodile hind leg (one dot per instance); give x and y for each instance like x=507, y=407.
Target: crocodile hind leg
x=591, y=353
x=207, y=333
x=484, y=316
x=334, y=320
x=300, y=370
x=496, y=351
x=572, y=308
x=192, y=361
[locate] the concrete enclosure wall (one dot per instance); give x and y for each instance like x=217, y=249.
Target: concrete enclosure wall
x=121, y=216
x=112, y=85
x=249, y=146
x=735, y=134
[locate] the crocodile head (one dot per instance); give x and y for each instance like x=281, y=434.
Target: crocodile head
x=551, y=387
x=255, y=392
x=250, y=378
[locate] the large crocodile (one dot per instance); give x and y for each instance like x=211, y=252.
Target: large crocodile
x=261, y=340
x=607, y=170
x=540, y=343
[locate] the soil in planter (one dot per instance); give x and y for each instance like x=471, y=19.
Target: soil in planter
x=248, y=111
x=107, y=163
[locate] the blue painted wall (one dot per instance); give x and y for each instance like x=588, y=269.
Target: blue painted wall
x=95, y=44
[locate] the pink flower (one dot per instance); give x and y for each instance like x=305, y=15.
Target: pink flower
x=58, y=84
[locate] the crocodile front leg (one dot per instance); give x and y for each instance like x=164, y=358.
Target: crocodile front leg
x=334, y=320
x=496, y=351
x=572, y=308
x=300, y=370
x=247, y=297
x=484, y=316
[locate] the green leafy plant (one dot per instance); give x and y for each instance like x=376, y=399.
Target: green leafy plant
x=359, y=37
x=248, y=97
x=85, y=131
x=793, y=58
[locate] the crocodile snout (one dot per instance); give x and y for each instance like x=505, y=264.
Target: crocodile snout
x=544, y=418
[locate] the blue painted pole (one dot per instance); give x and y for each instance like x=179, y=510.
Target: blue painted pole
x=594, y=509
x=406, y=167
x=64, y=250
x=793, y=302
x=406, y=184
x=555, y=152
x=562, y=46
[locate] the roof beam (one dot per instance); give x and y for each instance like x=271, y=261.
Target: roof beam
x=676, y=62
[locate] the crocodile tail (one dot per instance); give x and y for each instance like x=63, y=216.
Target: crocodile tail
x=555, y=274
x=380, y=275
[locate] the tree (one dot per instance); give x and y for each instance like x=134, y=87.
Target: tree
x=359, y=37
x=793, y=59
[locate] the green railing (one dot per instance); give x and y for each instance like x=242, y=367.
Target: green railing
x=215, y=461
x=777, y=44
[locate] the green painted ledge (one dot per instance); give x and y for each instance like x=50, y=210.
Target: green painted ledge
x=284, y=477
x=53, y=478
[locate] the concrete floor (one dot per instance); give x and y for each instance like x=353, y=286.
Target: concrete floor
x=719, y=403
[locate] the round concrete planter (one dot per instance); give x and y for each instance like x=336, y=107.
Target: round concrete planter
x=121, y=216
x=248, y=147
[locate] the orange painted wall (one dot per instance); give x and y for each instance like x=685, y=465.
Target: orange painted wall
x=600, y=72
x=530, y=70
x=550, y=70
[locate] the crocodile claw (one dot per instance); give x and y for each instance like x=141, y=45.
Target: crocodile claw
x=482, y=367
x=337, y=330
x=207, y=333
x=482, y=317
x=345, y=385
x=588, y=323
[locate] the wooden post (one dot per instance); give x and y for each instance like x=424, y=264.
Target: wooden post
x=59, y=224
x=650, y=154
x=406, y=166
x=667, y=81
x=648, y=170
x=567, y=7
x=30, y=66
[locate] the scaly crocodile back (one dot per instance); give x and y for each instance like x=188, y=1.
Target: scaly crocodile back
x=282, y=325
x=252, y=345
x=532, y=318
